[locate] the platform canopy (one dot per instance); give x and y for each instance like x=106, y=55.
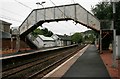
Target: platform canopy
x=73, y=12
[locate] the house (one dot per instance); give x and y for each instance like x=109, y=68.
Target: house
x=8, y=42
x=62, y=40
x=55, y=40
x=43, y=41
x=4, y=26
x=5, y=35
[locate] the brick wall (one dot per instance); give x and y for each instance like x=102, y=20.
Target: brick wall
x=6, y=44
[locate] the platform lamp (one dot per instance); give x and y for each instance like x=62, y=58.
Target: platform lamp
x=38, y=3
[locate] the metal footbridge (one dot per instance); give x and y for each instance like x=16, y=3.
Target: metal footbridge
x=73, y=12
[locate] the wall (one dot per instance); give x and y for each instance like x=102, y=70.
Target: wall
x=49, y=43
x=5, y=26
x=44, y=43
x=68, y=42
x=6, y=44
x=40, y=43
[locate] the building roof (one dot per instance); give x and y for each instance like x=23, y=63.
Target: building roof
x=46, y=38
x=64, y=37
x=4, y=35
x=4, y=22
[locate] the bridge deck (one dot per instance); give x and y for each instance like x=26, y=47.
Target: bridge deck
x=65, y=12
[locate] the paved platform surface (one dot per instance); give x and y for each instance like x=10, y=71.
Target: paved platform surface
x=89, y=65
x=107, y=57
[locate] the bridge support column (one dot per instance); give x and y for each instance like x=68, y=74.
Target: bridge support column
x=118, y=46
x=114, y=49
x=17, y=43
x=100, y=45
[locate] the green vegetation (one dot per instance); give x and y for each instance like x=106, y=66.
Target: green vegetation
x=77, y=38
x=89, y=36
x=44, y=32
x=103, y=11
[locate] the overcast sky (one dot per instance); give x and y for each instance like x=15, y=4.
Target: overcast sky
x=15, y=12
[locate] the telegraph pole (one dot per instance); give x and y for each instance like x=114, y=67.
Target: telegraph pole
x=114, y=35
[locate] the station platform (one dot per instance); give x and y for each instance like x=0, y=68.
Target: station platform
x=86, y=64
x=30, y=52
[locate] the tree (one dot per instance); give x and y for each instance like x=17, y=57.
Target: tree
x=77, y=37
x=37, y=32
x=44, y=32
x=103, y=11
x=49, y=34
x=89, y=36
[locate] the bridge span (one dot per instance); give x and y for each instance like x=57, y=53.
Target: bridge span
x=73, y=12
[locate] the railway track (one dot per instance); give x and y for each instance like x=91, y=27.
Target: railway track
x=24, y=59
x=39, y=68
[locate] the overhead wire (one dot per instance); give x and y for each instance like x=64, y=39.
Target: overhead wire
x=42, y=14
x=73, y=1
x=76, y=23
x=52, y=28
x=23, y=4
x=9, y=18
x=59, y=23
x=62, y=11
x=59, y=8
x=28, y=7
x=48, y=26
x=11, y=12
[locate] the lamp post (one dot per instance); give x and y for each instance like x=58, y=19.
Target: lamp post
x=114, y=35
x=38, y=3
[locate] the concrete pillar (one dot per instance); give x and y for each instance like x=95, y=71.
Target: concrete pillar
x=118, y=46
x=100, y=45
x=17, y=43
x=114, y=64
